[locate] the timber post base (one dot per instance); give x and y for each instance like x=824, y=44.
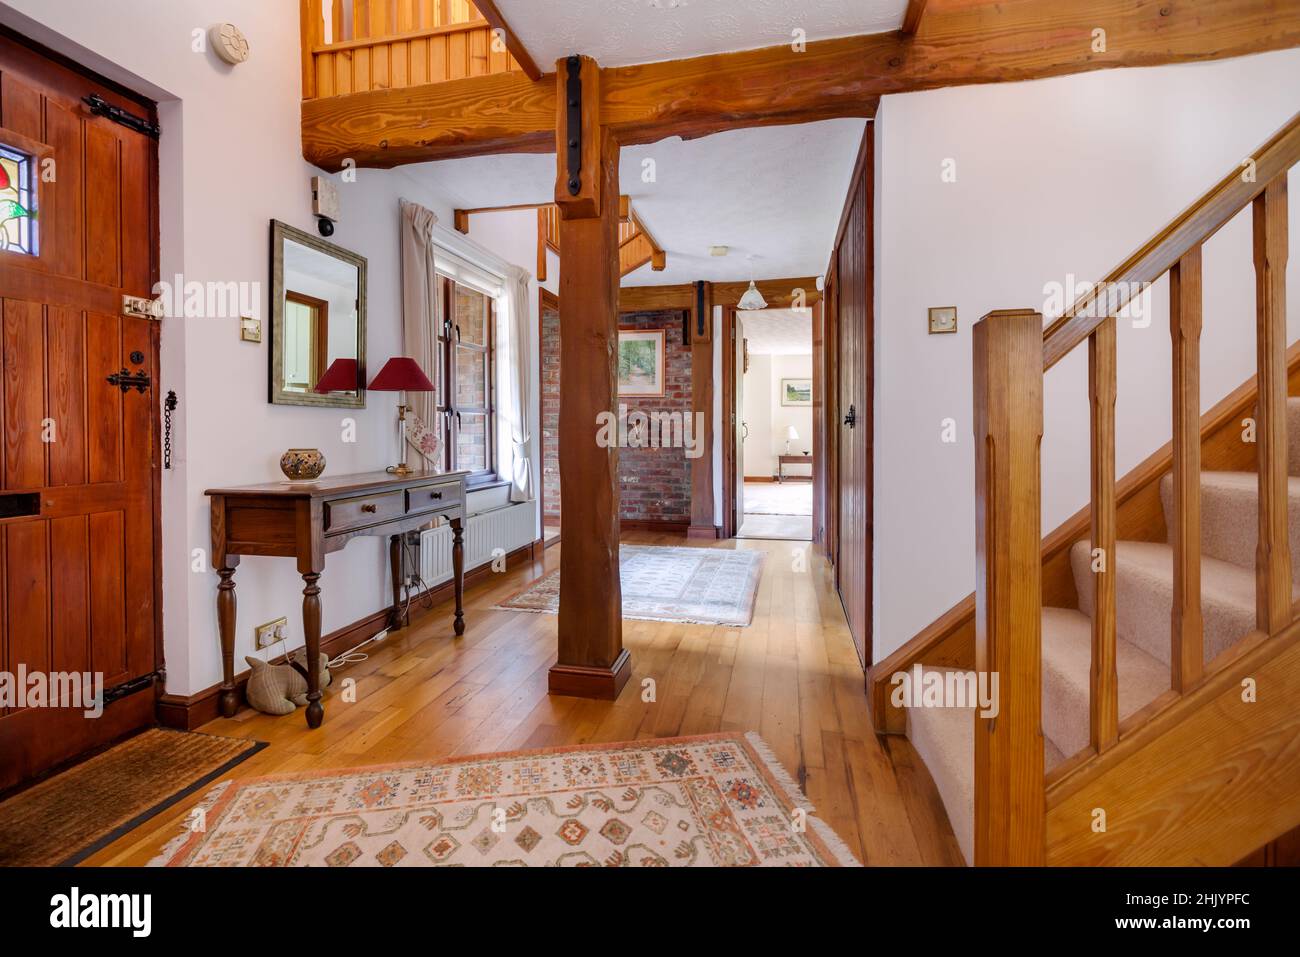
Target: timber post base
x=581, y=681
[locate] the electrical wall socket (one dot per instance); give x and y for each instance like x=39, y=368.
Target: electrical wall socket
x=272, y=632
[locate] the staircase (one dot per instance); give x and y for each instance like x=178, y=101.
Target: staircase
x=1144, y=598
x=1156, y=721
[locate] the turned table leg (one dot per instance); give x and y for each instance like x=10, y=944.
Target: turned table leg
x=458, y=571
x=229, y=700
x=395, y=618
x=311, y=630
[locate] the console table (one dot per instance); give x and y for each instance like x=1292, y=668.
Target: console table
x=785, y=460
x=306, y=521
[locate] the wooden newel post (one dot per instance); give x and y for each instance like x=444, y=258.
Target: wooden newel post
x=1010, y=812
x=591, y=660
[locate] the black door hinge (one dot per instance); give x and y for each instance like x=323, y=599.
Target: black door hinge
x=101, y=107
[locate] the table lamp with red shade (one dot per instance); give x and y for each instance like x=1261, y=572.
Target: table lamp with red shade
x=342, y=376
x=401, y=374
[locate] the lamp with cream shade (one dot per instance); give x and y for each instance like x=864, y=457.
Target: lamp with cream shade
x=790, y=436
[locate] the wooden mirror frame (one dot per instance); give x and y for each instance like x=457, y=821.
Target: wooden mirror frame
x=276, y=393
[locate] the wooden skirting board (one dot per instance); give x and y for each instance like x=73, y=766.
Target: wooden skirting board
x=664, y=527
x=193, y=711
x=949, y=641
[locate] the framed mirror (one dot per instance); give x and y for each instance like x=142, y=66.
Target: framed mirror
x=318, y=322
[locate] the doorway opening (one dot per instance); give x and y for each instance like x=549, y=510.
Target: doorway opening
x=774, y=403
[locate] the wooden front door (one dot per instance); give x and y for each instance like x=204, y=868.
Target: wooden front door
x=853, y=300
x=78, y=463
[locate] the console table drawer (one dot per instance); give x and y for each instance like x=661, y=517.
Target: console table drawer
x=348, y=513
x=428, y=498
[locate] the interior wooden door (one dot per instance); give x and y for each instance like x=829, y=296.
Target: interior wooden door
x=853, y=272
x=78, y=469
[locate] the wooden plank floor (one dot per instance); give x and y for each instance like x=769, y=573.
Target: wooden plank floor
x=793, y=676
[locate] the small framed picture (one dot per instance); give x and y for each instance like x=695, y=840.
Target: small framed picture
x=796, y=391
x=943, y=319
x=641, y=362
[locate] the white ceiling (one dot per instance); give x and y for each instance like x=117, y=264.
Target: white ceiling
x=773, y=193
x=778, y=332
x=620, y=32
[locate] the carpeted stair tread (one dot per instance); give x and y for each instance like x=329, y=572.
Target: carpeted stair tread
x=945, y=740
x=1230, y=516
x=1067, y=678
x=1144, y=596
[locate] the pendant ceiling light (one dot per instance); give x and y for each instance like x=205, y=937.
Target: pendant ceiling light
x=752, y=299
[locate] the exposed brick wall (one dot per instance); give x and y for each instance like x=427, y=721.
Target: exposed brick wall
x=656, y=482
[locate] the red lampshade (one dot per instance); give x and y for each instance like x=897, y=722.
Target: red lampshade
x=341, y=376
x=401, y=374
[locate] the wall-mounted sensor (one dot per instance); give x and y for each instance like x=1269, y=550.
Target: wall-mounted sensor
x=228, y=42
x=325, y=204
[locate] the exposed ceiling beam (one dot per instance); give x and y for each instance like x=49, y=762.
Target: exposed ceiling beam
x=779, y=293
x=658, y=258
x=492, y=15
x=962, y=44
x=460, y=217
x=912, y=18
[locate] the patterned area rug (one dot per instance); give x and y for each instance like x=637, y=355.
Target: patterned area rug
x=703, y=586
x=713, y=800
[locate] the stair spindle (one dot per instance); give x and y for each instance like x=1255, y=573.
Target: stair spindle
x=1104, y=699
x=1273, y=553
x=1186, y=627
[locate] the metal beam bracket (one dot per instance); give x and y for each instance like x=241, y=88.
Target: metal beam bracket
x=573, y=94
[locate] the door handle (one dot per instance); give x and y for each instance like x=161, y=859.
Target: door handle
x=851, y=420
x=744, y=434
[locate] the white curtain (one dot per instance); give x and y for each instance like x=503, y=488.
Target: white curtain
x=520, y=373
x=420, y=323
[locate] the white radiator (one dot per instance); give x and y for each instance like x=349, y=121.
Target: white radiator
x=501, y=528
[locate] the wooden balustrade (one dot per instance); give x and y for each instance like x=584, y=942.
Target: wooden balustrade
x=351, y=46
x=1011, y=357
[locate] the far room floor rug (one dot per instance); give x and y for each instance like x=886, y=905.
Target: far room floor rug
x=68, y=817
x=712, y=800
x=706, y=586
x=778, y=498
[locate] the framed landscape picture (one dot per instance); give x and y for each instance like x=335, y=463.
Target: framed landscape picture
x=796, y=391
x=641, y=362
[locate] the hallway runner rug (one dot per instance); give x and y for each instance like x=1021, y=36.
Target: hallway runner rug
x=702, y=586
x=708, y=801
x=67, y=817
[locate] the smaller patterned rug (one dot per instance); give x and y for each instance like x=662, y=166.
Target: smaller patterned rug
x=702, y=586
x=708, y=801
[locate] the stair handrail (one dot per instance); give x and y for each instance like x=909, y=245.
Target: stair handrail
x=1012, y=353
x=1189, y=229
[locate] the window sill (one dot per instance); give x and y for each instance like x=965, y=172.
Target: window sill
x=485, y=482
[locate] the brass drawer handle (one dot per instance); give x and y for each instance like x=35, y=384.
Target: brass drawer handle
x=370, y=508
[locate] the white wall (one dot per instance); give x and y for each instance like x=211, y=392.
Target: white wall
x=231, y=161
x=1059, y=176
x=768, y=419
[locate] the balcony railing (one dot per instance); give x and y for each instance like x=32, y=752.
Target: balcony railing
x=353, y=46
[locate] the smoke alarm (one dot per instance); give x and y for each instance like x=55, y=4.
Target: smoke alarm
x=228, y=42
x=719, y=250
